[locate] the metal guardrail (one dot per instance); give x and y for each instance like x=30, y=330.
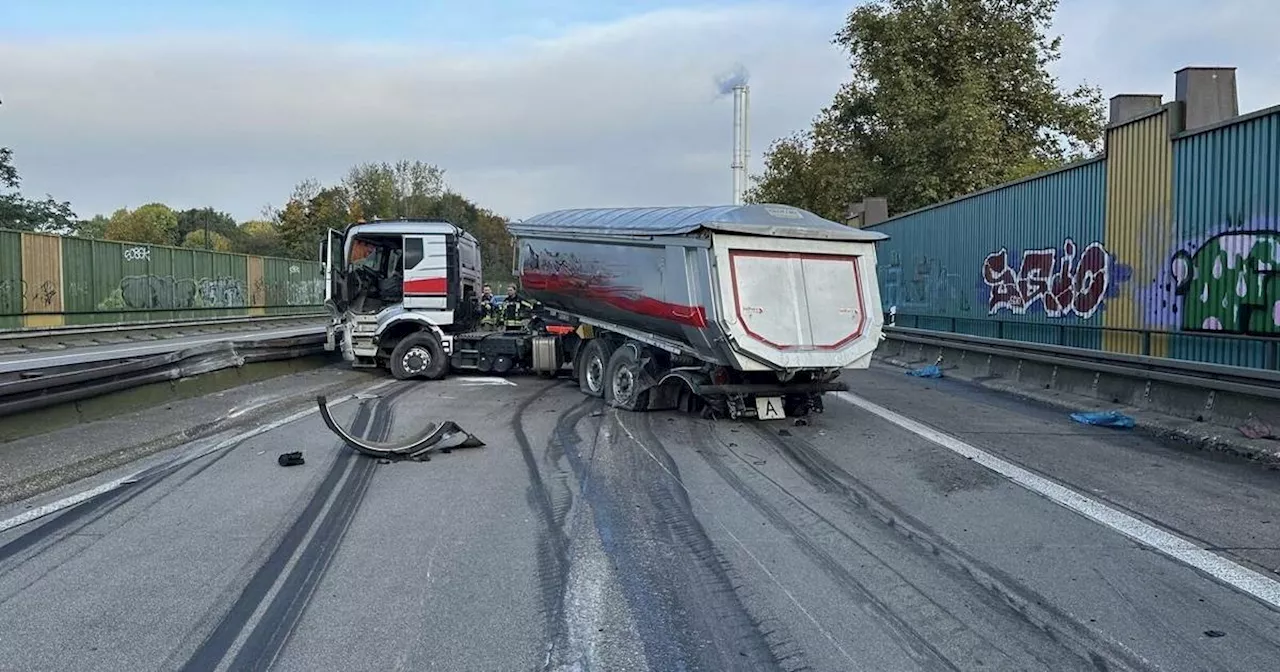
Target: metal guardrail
x=1241, y=380
x=29, y=390
x=1246, y=350
x=114, y=327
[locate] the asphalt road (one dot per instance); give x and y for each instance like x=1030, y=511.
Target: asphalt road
x=580, y=538
x=137, y=344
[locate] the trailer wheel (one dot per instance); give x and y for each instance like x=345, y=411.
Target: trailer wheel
x=625, y=387
x=419, y=355
x=593, y=366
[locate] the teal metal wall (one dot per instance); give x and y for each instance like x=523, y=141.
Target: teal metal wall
x=1167, y=245
x=1223, y=274
x=1009, y=253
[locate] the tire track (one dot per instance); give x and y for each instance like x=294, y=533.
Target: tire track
x=274, y=629
x=1001, y=591
x=804, y=526
x=92, y=510
x=686, y=614
x=215, y=647
x=550, y=511
x=717, y=599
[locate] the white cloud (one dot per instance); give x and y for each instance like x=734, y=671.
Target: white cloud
x=617, y=114
x=1134, y=46
x=613, y=114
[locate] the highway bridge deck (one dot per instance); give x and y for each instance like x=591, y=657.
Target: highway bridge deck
x=585, y=538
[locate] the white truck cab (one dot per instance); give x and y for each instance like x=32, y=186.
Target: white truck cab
x=398, y=290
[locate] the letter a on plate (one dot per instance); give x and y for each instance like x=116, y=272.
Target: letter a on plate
x=769, y=408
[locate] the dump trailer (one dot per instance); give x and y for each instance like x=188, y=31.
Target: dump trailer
x=754, y=310
x=743, y=311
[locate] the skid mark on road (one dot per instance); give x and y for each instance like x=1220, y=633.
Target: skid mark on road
x=1259, y=586
x=1101, y=650
x=271, y=632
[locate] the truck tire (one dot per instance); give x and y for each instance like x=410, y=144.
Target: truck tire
x=419, y=356
x=625, y=372
x=593, y=367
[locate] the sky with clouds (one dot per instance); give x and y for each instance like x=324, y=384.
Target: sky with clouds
x=528, y=106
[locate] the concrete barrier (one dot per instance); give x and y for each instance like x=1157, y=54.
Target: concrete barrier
x=1207, y=417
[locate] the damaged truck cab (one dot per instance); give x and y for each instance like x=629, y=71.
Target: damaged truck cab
x=398, y=291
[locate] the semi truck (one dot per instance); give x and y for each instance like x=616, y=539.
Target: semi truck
x=743, y=311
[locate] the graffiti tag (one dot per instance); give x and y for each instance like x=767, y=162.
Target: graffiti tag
x=1063, y=286
x=1230, y=283
x=137, y=254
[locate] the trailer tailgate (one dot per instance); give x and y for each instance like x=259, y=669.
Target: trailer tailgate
x=799, y=303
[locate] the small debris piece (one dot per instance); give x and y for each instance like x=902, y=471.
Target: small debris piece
x=931, y=371
x=290, y=459
x=801, y=422
x=1257, y=429
x=1104, y=419
x=1214, y=633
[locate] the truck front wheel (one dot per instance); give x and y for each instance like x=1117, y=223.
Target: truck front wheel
x=419, y=356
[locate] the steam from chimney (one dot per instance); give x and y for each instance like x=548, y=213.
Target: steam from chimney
x=728, y=81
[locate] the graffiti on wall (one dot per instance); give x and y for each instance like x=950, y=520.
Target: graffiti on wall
x=165, y=292
x=1074, y=282
x=19, y=296
x=1229, y=283
x=925, y=284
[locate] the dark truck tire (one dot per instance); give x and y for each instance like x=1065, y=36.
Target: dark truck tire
x=592, y=365
x=624, y=380
x=419, y=356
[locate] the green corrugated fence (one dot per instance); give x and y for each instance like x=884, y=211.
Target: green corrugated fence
x=50, y=281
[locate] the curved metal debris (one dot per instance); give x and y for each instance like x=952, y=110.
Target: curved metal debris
x=439, y=436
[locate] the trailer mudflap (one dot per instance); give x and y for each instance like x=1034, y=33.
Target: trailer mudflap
x=440, y=436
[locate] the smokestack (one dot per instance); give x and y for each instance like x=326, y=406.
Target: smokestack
x=740, y=143
x=735, y=82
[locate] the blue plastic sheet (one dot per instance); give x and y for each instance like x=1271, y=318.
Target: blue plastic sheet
x=931, y=371
x=1104, y=419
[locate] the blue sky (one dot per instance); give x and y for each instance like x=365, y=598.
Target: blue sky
x=528, y=106
x=440, y=20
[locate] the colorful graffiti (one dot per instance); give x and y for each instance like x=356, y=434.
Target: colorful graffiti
x=157, y=292
x=930, y=283
x=1230, y=283
x=1062, y=285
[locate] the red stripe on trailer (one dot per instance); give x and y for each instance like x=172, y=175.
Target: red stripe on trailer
x=622, y=298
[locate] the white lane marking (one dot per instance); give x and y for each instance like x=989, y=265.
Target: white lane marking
x=72, y=500
x=1238, y=576
x=773, y=577
x=164, y=345
x=484, y=381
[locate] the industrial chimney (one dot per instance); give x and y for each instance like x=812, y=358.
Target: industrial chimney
x=740, y=144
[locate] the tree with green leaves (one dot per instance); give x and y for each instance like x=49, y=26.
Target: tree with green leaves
x=947, y=97
x=17, y=212
x=390, y=191
x=309, y=214
x=205, y=219
x=152, y=223
x=207, y=240
x=260, y=237
x=96, y=227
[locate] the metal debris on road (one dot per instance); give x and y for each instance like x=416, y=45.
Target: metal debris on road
x=442, y=436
